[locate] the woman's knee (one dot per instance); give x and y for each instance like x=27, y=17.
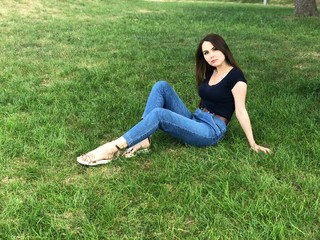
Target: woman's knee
x=161, y=84
x=160, y=113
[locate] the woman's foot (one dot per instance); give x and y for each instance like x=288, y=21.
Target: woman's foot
x=101, y=155
x=140, y=147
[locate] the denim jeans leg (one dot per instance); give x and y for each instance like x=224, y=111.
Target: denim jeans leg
x=162, y=95
x=188, y=130
x=165, y=110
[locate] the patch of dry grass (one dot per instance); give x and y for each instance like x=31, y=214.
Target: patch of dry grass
x=25, y=8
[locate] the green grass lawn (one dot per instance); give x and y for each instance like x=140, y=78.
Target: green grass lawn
x=77, y=73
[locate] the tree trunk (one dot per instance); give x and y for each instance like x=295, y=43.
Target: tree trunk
x=306, y=8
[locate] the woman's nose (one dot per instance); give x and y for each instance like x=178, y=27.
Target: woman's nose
x=211, y=55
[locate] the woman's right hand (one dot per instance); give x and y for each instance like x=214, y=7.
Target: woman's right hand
x=258, y=148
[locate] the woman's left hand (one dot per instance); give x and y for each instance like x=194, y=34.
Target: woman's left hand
x=258, y=148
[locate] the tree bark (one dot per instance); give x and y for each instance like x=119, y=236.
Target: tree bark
x=306, y=8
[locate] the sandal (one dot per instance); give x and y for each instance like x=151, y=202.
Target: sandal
x=134, y=151
x=89, y=158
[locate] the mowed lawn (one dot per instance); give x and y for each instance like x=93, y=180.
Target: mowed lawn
x=77, y=73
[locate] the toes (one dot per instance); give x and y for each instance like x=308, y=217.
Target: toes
x=129, y=152
x=86, y=158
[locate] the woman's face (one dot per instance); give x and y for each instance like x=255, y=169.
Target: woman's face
x=213, y=57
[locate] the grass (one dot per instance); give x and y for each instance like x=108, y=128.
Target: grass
x=77, y=73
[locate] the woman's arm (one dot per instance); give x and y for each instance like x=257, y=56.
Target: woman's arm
x=239, y=92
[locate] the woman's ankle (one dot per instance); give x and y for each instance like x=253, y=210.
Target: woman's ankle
x=146, y=143
x=120, y=143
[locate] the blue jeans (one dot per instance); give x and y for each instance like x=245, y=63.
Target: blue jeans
x=165, y=110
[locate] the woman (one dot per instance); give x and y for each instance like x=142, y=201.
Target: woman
x=222, y=88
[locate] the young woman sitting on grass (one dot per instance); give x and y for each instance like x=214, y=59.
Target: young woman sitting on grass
x=222, y=88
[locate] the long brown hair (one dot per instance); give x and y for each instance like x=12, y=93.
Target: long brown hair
x=202, y=67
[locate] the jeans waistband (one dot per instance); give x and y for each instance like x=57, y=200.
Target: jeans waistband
x=210, y=119
x=226, y=121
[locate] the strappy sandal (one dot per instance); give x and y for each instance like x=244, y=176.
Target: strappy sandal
x=132, y=152
x=88, y=159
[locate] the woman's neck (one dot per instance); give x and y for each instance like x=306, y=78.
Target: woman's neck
x=223, y=68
